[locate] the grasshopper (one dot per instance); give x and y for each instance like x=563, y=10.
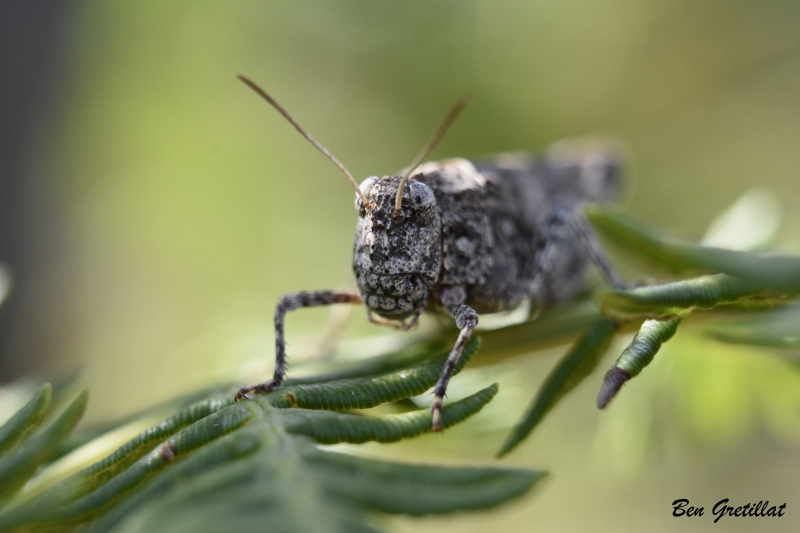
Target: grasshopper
x=463, y=238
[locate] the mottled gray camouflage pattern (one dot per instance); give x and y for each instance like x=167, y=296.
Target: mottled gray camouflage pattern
x=484, y=244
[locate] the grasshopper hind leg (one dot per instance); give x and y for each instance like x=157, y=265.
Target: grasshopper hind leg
x=595, y=252
x=565, y=247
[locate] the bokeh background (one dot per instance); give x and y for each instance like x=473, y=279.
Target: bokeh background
x=153, y=209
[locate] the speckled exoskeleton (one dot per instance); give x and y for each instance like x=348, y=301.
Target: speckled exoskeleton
x=465, y=238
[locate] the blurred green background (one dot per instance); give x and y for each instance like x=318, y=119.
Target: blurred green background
x=181, y=206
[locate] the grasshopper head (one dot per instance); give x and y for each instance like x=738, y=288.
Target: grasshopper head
x=397, y=258
x=398, y=250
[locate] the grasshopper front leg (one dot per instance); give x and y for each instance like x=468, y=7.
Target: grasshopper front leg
x=290, y=302
x=466, y=319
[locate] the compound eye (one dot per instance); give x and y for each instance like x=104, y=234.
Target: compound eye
x=365, y=186
x=423, y=202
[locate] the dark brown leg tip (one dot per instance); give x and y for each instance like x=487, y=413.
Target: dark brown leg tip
x=242, y=394
x=436, y=415
x=263, y=388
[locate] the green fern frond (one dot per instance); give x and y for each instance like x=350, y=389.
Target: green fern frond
x=328, y=427
x=26, y=420
x=639, y=353
x=777, y=273
x=779, y=328
x=21, y=463
x=218, y=465
x=677, y=299
x=571, y=369
x=366, y=392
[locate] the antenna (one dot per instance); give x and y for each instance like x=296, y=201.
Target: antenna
x=261, y=92
x=451, y=115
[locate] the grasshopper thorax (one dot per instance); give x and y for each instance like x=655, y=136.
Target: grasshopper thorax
x=397, y=256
